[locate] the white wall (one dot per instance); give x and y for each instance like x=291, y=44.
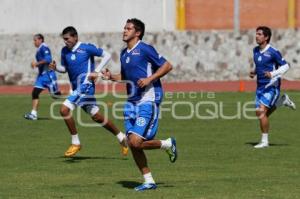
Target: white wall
x=51, y=16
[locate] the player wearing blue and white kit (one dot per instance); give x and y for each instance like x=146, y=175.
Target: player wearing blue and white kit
x=77, y=59
x=141, y=69
x=46, y=77
x=270, y=66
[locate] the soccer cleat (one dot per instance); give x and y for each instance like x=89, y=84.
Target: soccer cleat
x=145, y=186
x=172, y=151
x=287, y=102
x=124, y=150
x=261, y=145
x=30, y=116
x=72, y=150
x=124, y=147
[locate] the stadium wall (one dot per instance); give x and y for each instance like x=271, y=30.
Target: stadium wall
x=51, y=16
x=196, y=56
x=216, y=14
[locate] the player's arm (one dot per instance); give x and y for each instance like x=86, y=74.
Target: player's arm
x=281, y=70
x=58, y=68
x=252, y=72
x=162, y=71
x=160, y=65
x=35, y=64
x=104, y=61
x=47, y=58
x=106, y=74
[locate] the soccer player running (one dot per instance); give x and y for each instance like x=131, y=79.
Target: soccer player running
x=270, y=66
x=46, y=77
x=77, y=59
x=141, y=69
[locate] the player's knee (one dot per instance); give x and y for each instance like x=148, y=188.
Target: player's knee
x=36, y=93
x=64, y=111
x=260, y=113
x=134, y=144
x=97, y=118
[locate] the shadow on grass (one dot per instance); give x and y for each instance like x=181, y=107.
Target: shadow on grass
x=77, y=159
x=255, y=143
x=133, y=184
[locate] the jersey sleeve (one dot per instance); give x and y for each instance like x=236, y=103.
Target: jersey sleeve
x=63, y=58
x=46, y=54
x=94, y=51
x=154, y=58
x=122, y=68
x=279, y=60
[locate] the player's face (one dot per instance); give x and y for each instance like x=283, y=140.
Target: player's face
x=129, y=32
x=69, y=40
x=260, y=37
x=37, y=42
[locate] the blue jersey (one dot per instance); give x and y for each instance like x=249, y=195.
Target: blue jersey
x=43, y=54
x=141, y=62
x=79, y=62
x=267, y=60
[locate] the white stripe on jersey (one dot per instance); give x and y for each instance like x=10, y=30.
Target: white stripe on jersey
x=149, y=94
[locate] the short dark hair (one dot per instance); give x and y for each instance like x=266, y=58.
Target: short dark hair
x=39, y=36
x=266, y=31
x=69, y=30
x=138, y=25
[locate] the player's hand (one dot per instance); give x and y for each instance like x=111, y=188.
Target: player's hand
x=33, y=64
x=143, y=82
x=106, y=74
x=93, y=76
x=268, y=74
x=52, y=65
x=252, y=74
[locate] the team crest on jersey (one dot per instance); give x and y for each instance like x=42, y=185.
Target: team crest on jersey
x=73, y=57
x=136, y=52
x=47, y=51
x=127, y=60
x=259, y=58
x=268, y=96
x=141, y=121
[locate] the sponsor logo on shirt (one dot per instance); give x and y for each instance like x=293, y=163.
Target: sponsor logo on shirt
x=267, y=54
x=80, y=50
x=136, y=52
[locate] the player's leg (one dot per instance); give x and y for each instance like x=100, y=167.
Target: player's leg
x=265, y=106
x=261, y=113
x=92, y=109
x=35, y=104
x=147, y=123
x=140, y=137
x=66, y=112
x=140, y=159
x=285, y=100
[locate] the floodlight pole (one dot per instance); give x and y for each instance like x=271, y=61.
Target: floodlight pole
x=236, y=17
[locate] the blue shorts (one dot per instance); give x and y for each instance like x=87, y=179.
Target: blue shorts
x=84, y=97
x=47, y=80
x=267, y=96
x=141, y=119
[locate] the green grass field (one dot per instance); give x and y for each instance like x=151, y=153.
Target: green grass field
x=216, y=156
